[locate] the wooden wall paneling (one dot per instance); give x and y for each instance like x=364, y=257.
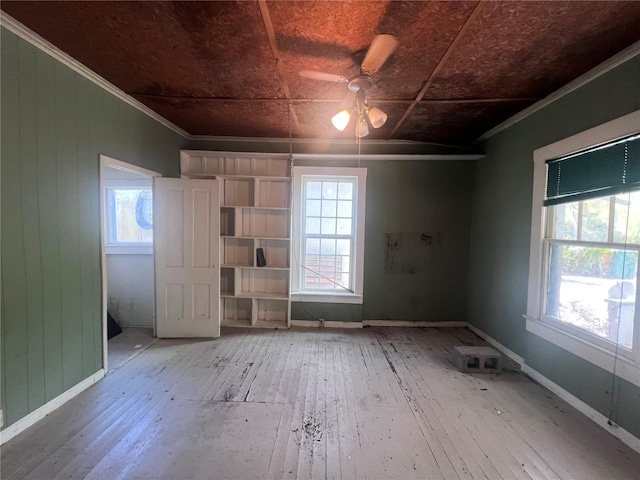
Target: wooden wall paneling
x=86, y=168
x=14, y=334
x=48, y=217
x=273, y=193
x=276, y=252
x=132, y=150
x=31, y=226
x=227, y=221
x=98, y=143
x=243, y=166
x=68, y=225
x=238, y=251
x=227, y=281
x=112, y=124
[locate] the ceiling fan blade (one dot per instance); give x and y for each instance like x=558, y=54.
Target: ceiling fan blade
x=322, y=76
x=381, y=48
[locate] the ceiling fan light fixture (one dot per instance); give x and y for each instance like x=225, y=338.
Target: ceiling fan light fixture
x=362, y=129
x=341, y=119
x=377, y=117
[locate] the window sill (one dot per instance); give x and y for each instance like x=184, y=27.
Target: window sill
x=128, y=249
x=624, y=367
x=327, y=297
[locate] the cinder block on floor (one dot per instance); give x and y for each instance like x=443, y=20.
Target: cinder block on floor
x=477, y=359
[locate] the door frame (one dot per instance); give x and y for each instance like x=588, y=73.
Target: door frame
x=110, y=162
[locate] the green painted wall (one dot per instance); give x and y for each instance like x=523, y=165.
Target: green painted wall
x=501, y=229
x=55, y=124
x=411, y=197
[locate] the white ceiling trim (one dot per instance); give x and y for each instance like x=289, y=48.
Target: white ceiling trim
x=339, y=141
x=384, y=156
x=606, y=66
x=37, y=41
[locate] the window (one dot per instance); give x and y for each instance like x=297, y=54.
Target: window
x=592, y=266
x=585, y=246
x=328, y=234
x=129, y=216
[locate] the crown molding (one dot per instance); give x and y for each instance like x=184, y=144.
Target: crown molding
x=606, y=66
x=386, y=156
x=337, y=141
x=37, y=41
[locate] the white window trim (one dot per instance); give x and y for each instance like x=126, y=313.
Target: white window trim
x=328, y=297
x=556, y=332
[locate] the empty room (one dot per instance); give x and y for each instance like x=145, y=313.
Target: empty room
x=320, y=239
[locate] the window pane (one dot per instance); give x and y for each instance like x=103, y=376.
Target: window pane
x=131, y=215
x=344, y=209
x=626, y=224
x=328, y=208
x=328, y=246
x=312, y=262
x=593, y=289
x=313, y=208
x=329, y=190
x=345, y=191
x=595, y=220
x=344, y=226
x=313, y=246
x=328, y=226
x=314, y=189
x=311, y=280
x=343, y=247
x=566, y=221
x=312, y=226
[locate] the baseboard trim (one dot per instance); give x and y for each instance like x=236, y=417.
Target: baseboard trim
x=38, y=414
x=493, y=342
x=615, y=430
x=376, y=323
x=325, y=323
x=412, y=323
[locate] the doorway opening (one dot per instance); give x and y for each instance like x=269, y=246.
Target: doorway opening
x=128, y=296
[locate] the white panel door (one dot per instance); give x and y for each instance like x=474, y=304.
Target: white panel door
x=186, y=240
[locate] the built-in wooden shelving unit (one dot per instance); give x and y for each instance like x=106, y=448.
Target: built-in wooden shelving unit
x=254, y=214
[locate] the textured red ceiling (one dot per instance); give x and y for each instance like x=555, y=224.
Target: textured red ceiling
x=224, y=117
x=433, y=122
x=212, y=69
x=217, y=49
x=530, y=49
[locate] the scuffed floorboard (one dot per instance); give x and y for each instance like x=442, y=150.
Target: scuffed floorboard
x=315, y=403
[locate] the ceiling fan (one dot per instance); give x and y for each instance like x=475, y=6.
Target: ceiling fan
x=382, y=46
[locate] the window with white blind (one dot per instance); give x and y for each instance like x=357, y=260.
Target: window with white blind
x=585, y=246
x=328, y=234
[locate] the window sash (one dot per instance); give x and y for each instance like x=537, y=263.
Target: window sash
x=599, y=341
x=550, y=240
x=304, y=266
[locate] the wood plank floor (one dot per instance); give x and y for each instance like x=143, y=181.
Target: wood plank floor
x=315, y=403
